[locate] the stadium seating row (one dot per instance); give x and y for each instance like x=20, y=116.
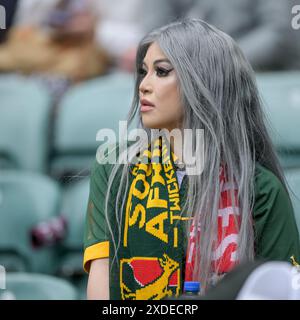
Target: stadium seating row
x=32, y=200
x=31, y=286
x=33, y=137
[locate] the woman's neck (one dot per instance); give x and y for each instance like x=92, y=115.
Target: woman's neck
x=176, y=147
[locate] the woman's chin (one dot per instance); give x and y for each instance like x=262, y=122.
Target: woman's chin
x=152, y=125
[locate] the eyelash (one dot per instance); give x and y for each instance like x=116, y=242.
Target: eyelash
x=160, y=72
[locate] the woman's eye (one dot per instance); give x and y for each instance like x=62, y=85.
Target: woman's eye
x=142, y=72
x=162, y=72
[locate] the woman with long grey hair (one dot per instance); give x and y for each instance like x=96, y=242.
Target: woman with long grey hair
x=153, y=223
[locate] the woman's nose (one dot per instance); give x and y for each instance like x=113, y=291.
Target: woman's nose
x=145, y=86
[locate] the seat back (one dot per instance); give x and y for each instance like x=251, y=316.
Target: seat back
x=25, y=109
x=31, y=286
x=26, y=199
x=87, y=108
x=281, y=97
x=74, y=206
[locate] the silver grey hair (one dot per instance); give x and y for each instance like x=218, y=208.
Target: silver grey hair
x=219, y=95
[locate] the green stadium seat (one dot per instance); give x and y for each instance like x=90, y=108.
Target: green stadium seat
x=24, y=124
x=30, y=286
x=26, y=199
x=74, y=205
x=293, y=180
x=84, y=110
x=81, y=286
x=281, y=97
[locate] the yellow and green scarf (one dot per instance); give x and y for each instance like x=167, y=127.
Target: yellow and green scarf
x=152, y=252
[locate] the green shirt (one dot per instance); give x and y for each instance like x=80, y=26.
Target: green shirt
x=276, y=234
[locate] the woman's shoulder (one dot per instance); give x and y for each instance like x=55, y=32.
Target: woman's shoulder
x=276, y=231
x=106, y=158
x=270, y=192
x=266, y=181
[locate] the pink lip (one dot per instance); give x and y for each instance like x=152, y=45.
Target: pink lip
x=145, y=108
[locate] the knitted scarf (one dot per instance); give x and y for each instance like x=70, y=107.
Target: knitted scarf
x=225, y=248
x=153, y=249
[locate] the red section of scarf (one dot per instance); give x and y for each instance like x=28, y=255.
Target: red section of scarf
x=225, y=248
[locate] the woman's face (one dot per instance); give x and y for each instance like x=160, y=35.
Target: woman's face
x=159, y=92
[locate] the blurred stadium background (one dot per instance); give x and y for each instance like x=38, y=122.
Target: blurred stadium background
x=47, y=146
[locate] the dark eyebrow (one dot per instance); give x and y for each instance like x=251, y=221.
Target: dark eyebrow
x=158, y=61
